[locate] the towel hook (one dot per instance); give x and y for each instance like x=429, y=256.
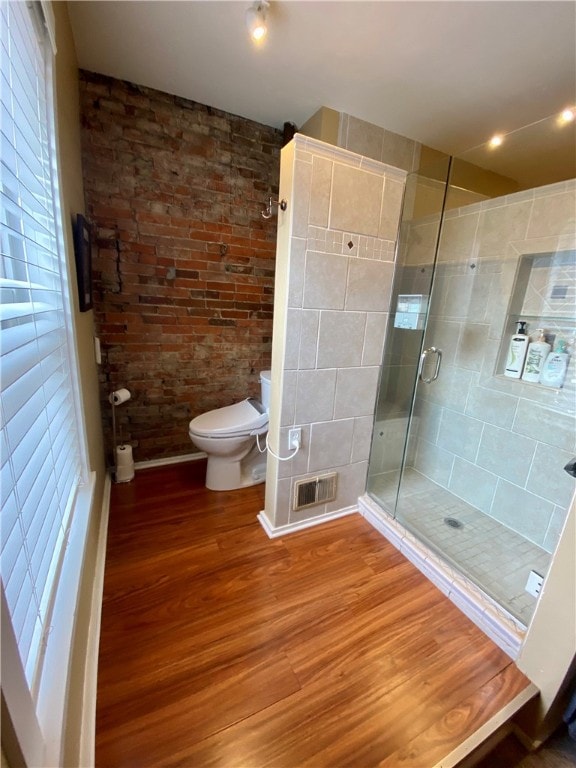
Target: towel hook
x=267, y=212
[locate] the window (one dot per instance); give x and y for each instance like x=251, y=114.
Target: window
x=42, y=456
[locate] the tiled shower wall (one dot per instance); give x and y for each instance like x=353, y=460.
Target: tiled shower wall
x=376, y=142
x=500, y=444
x=335, y=266
x=183, y=260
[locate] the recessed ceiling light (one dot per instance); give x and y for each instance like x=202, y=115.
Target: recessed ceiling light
x=496, y=140
x=567, y=115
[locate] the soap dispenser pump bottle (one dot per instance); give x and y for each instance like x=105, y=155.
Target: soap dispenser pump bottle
x=536, y=357
x=556, y=365
x=517, y=352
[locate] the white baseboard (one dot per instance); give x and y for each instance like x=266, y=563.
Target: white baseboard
x=283, y=530
x=170, y=460
x=88, y=728
x=500, y=626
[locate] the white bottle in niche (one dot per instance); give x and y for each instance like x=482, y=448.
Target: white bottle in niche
x=554, y=370
x=517, y=352
x=536, y=357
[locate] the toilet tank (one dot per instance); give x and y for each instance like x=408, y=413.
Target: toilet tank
x=265, y=377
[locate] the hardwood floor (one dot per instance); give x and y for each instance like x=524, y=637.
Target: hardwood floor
x=221, y=647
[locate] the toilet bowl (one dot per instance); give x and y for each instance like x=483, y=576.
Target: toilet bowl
x=228, y=437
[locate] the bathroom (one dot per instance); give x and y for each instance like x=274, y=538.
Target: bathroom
x=191, y=304
x=165, y=273
x=327, y=389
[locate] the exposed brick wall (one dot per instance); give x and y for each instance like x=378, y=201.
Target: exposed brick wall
x=183, y=262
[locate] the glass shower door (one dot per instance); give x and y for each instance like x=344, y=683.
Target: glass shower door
x=482, y=480
x=391, y=451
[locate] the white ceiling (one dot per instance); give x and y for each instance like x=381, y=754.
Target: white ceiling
x=448, y=74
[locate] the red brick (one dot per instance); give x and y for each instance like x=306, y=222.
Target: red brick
x=168, y=183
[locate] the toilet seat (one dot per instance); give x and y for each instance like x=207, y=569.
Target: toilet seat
x=238, y=420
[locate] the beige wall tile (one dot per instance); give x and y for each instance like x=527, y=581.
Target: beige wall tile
x=457, y=238
x=434, y=462
x=500, y=226
x=296, y=275
x=309, y=338
x=451, y=388
x=320, y=192
x=445, y=335
x=399, y=151
x=331, y=444
x=391, y=209
x=507, y=454
x=351, y=485
x=554, y=529
x=283, y=502
x=375, y=333
x=292, y=350
x=472, y=345
x=492, y=407
x=459, y=434
x=315, y=396
x=355, y=392
x=364, y=138
x=546, y=424
x=553, y=215
x=473, y=484
x=536, y=512
x=341, y=339
x=305, y=514
x=369, y=285
x=288, y=397
x=356, y=200
x=547, y=476
x=466, y=296
x=325, y=280
x=301, y=198
x=362, y=439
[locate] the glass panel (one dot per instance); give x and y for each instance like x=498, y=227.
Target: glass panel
x=419, y=230
x=483, y=481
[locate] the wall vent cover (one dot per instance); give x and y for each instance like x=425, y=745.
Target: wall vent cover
x=314, y=490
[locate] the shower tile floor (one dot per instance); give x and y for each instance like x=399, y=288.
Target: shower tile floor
x=494, y=557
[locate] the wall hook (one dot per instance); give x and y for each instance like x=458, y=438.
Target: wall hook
x=267, y=212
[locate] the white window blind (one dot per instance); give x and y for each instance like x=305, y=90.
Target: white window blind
x=40, y=453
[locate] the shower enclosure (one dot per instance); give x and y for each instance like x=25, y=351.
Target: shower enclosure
x=467, y=459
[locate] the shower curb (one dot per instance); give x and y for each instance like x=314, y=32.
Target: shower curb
x=492, y=619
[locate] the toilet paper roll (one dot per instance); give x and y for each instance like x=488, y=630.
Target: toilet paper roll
x=119, y=396
x=124, y=464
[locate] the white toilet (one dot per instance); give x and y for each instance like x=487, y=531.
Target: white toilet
x=228, y=436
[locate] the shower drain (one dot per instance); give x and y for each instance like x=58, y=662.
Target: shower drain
x=453, y=523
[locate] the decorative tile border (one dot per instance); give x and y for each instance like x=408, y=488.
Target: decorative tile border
x=336, y=241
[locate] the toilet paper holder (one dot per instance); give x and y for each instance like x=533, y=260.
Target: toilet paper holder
x=116, y=398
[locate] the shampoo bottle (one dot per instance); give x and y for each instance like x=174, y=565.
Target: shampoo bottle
x=517, y=352
x=555, y=367
x=536, y=357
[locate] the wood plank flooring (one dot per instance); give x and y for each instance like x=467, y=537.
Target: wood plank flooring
x=326, y=648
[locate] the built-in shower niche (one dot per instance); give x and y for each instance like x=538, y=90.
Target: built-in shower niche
x=544, y=295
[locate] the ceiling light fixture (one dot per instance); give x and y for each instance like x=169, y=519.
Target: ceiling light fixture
x=256, y=19
x=567, y=115
x=496, y=140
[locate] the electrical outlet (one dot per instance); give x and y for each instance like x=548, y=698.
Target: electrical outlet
x=534, y=584
x=294, y=438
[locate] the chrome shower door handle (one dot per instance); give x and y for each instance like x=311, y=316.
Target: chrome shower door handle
x=423, y=356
